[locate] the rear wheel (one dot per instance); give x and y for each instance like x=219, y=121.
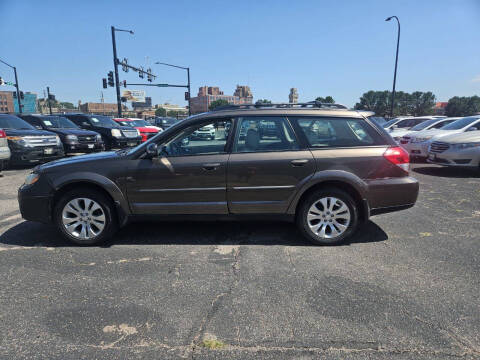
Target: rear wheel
x=85, y=217
x=328, y=216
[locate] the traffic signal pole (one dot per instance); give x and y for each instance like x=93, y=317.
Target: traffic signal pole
x=18, y=91
x=49, y=103
x=117, y=80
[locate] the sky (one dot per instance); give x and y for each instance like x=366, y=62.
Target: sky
x=337, y=48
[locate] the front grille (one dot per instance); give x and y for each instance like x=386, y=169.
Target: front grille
x=86, y=139
x=439, y=147
x=38, y=141
x=130, y=133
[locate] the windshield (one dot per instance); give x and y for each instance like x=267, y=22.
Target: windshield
x=140, y=123
x=168, y=121
x=423, y=125
x=13, y=122
x=460, y=123
x=58, y=122
x=103, y=121
x=390, y=122
x=125, y=123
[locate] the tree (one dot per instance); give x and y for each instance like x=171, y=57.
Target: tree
x=217, y=103
x=376, y=101
x=161, y=112
x=422, y=103
x=328, y=100
x=262, y=101
x=67, y=105
x=172, y=113
x=463, y=106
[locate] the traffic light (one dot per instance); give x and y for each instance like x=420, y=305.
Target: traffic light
x=21, y=95
x=2, y=82
x=149, y=75
x=141, y=73
x=187, y=96
x=14, y=93
x=110, y=79
x=124, y=83
x=104, y=83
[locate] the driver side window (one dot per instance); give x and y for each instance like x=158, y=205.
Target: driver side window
x=202, y=139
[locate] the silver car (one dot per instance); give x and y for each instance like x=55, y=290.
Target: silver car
x=461, y=149
x=4, y=150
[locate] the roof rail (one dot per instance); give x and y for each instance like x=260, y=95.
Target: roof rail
x=311, y=104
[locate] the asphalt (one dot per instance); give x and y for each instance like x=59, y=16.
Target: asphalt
x=406, y=287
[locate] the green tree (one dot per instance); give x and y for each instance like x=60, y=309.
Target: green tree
x=161, y=112
x=67, y=105
x=262, y=101
x=217, y=103
x=172, y=113
x=422, y=103
x=376, y=101
x=328, y=100
x=463, y=106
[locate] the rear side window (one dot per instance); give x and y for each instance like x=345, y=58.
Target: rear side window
x=336, y=132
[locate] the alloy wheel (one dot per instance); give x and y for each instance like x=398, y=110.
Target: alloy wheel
x=328, y=217
x=83, y=218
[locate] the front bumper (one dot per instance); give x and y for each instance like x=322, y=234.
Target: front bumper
x=33, y=155
x=34, y=207
x=122, y=143
x=83, y=148
x=417, y=149
x=392, y=194
x=459, y=158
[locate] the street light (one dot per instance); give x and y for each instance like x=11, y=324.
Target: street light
x=115, y=66
x=188, y=79
x=396, y=62
x=16, y=85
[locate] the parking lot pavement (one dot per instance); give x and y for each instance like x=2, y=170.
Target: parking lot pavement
x=406, y=287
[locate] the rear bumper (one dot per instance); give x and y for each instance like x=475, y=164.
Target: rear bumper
x=388, y=195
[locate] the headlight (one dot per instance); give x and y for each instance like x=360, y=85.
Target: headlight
x=465, y=145
x=138, y=132
x=71, y=138
x=18, y=139
x=116, y=133
x=31, y=178
x=421, y=139
x=98, y=138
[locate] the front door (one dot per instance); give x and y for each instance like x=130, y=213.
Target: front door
x=187, y=177
x=266, y=166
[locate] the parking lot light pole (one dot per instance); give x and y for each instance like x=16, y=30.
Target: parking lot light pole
x=16, y=85
x=188, y=81
x=396, y=62
x=115, y=66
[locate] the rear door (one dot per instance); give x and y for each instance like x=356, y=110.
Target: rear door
x=266, y=166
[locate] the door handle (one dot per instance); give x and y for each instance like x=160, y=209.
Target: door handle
x=299, y=162
x=211, y=166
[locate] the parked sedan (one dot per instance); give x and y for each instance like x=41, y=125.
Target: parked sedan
x=403, y=135
x=74, y=139
x=394, y=126
x=419, y=142
x=461, y=150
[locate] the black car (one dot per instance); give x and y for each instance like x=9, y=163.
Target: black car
x=27, y=144
x=74, y=139
x=165, y=122
x=113, y=134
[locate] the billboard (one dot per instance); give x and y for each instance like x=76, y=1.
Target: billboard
x=134, y=95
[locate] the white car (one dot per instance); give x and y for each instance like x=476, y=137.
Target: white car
x=206, y=132
x=403, y=135
x=461, y=150
x=417, y=145
x=406, y=123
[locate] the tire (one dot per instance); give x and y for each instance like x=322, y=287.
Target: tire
x=328, y=224
x=105, y=208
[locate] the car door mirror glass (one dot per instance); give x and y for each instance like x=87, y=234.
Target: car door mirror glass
x=152, y=150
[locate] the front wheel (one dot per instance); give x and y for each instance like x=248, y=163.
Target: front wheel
x=85, y=217
x=328, y=216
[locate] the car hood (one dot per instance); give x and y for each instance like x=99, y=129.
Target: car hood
x=464, y=137
x=74, y=132
x=80, y=159
x=146, y=129
x=32, y=132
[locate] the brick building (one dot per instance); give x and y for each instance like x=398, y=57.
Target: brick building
x=99, y=108
x=208, y=94
x=6, y=102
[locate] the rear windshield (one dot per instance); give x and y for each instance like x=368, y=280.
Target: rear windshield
x=103, y=121
x=57, y=122
x=337, y=132
x=13, y=122
x=460, y=123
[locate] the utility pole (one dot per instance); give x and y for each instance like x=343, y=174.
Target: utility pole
x=103, y=102
x=396, y=63
x=189, y=93
x=49, y=104
x=188, y=82
x=16, y=85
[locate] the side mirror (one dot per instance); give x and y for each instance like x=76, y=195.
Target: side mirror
x=152, y=150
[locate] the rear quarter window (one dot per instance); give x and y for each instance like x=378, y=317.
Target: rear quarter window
x=320, y=132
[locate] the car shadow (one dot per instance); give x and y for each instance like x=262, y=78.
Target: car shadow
x=447, y=172
x=29, y=234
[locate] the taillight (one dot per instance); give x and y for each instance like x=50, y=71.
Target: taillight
x=3, y=134
x=398, y=156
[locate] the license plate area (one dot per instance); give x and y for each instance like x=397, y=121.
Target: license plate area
x=432, y=157
x=90, y=146
x=48, y=151
x=131, y=144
